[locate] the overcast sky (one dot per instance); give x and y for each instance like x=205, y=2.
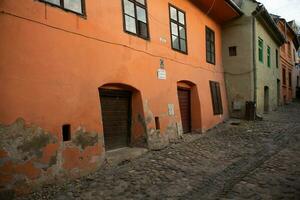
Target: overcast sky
x=288, y=9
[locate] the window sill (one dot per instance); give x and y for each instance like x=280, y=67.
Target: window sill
x=212, y=63
x=136, y=35
x=182, y=52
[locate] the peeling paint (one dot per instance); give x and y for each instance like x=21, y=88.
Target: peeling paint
x=85, y=139
x=31, y=156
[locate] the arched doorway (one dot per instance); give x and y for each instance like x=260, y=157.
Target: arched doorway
x=266, y=99
x=189, y=106
x=121, y=107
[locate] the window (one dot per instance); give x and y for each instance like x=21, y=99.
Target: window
x=66, y=132
x=283, y=76
x=178, y=29
x=260, y=50
x=289, y=49
x=232, y=51
x=269, y=56
x=157, y=123
x=136, y=18
x=216, y=98
x=76, y=6
x=210, y=45
x=277, y=64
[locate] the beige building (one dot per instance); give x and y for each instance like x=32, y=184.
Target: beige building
x=251, y=60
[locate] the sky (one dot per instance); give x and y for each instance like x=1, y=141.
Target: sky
x=288, y=9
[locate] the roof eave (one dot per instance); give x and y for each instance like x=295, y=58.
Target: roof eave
x=263, y=16
x=235, y=7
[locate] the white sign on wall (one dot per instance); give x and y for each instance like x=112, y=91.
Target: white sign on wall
x=161, y=74
x=171, y=109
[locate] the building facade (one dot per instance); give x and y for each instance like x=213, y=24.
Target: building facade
x=251, y=60
x=296, y=69
x=288, y=60
x=79, y=78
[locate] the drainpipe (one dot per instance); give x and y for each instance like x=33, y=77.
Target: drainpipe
x=254, y=58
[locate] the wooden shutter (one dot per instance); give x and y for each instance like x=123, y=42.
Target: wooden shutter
x=216, y=97
x=220, y=107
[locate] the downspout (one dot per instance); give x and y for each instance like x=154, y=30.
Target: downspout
x=254, y=59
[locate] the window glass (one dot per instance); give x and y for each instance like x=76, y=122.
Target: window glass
x=178, y=29
x=135, y=16
x=173, y=12
x=141, y=14
x=56, y=2
x=183, y=45
x=232, y=51
x=182, y=32
x=129, y=8
x=130, y=24
x=143, y=30
x=216, y=97
x=74, y=5
x=181, y=17
x=174, y=29
x=210, y=46
x=141, y=1
x=175, y=42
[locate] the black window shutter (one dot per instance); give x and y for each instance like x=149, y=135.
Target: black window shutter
x=220, y=107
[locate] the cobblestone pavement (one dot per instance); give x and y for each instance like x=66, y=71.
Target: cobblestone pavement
x=252, y=160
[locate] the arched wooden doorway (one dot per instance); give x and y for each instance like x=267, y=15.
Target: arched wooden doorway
x=121, y=105
x=189, y=106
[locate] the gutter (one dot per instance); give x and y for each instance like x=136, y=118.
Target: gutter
x=235, y=7
x=254, y=59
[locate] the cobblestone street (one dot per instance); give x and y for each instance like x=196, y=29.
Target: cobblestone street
x=252, y=160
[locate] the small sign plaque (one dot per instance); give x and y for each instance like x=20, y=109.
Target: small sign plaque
x=161, y=74
x=171, y=111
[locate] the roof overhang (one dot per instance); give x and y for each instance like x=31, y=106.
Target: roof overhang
x=296, y=40
x=266, y=20
x=219, y=10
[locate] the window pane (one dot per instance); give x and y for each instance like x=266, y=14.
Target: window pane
x=175, y=42
x=208, y=55
x=129, y=8
x=56, y=2
x=141, y=14
x=173, y=12
x=181, y=32
x=130, y=24
x=174, y=29
x=143, y=29
x=212, y=47
x=141, y=1
x=208, y=46
x=181, y=17
x=74, y=5
x=182, y=45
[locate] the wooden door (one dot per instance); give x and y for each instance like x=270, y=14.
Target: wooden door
x=184, y=97
x=116, y=117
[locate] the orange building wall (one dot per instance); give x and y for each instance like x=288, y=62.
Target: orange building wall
x=52, y=63
x=287, y=62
